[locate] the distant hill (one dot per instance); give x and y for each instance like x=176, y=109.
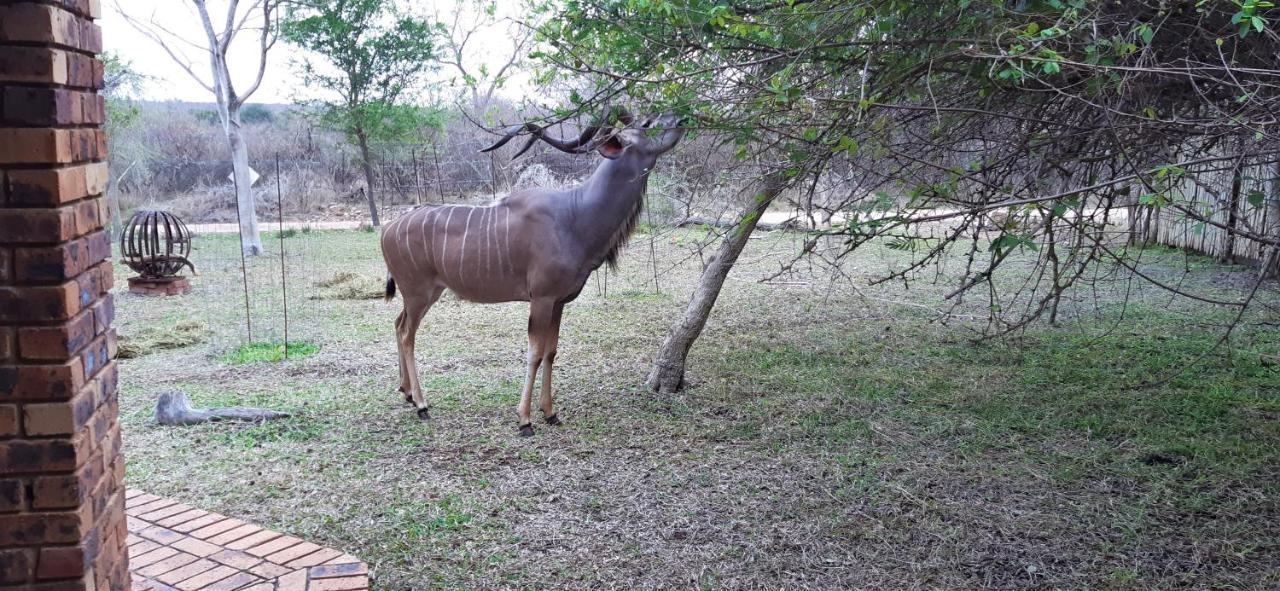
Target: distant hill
x=211, y=106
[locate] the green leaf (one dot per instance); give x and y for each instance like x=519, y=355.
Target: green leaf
x=1256, y=198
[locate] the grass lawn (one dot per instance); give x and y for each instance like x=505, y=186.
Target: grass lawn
x=832, y=437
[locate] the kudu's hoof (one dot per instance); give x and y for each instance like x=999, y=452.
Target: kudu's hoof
x=553, y=420
x=526, y=430
x=424, y=413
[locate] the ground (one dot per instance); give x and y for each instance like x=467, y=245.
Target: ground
x=831, y=438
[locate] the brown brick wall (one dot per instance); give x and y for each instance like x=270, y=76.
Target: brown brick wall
x=62, y=520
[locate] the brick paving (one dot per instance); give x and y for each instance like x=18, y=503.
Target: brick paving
x=176, y=547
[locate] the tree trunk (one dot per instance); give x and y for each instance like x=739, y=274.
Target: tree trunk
x=1233, y=208
x=1273, y=224
x=368, y=175
x=667, y=375
x=250, y=240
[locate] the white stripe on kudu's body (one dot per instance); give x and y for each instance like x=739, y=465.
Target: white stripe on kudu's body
x=462, y=252
x=444, y=250
x=549, y=243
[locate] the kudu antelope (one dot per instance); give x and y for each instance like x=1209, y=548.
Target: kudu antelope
x=535, y=245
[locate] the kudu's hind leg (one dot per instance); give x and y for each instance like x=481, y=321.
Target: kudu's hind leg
x=415, y=307
x=541, y=313
x=548, y=362
x=404, y=375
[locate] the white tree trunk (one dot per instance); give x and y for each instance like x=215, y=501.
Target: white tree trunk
x=667, y=375
x=250, y=240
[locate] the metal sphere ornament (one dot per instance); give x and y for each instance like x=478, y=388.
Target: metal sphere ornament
x=156, y=244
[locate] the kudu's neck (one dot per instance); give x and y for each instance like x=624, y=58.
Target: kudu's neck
x=609, y=202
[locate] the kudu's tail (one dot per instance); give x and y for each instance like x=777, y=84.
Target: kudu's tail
x=391, y=288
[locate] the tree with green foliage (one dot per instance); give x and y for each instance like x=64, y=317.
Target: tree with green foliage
x=1042, y=119
x=367, y=56
x=121, y=83
x=257, y=114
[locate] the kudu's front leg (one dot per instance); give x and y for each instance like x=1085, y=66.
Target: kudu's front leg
x=541, y=313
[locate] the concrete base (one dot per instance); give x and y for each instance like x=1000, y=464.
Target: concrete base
x=159, y=287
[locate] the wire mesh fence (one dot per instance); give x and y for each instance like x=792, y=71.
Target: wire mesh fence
x=317, y=243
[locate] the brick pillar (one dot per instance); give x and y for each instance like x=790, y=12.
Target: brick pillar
x=62, y=522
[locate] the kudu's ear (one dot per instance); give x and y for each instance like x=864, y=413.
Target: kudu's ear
x=612, y=148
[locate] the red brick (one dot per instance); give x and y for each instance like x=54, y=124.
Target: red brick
x=58, y=263
x=13, y=494
x=257, y=539
x=24, y=106
x=61, y=342
x=206, y=578
x=43, y=455
x=267, y=570
x=144, y=559
x=274, y=546
x=16, y=566
x=139, y=507
x=315, y=558
x=236, y=558
x=38, y=226
x=158, y=514
x=176, y=561
x=235, y=534
x=65, y=491
x=140, y=498
x=160, y=534
x=95, y=107
x=196, y=523
x=33, y=64
x=293, y=553
x=37, y=23
x=80, y=70
x=295, y=581
x=26, y=529
x=60, y=563
x=55, y=186
x=197, y=547
x=99, y=73
x=8, y=343
x=37, y=145
x=217, y=528
x=91, y=37
x=59, y=418
x=340, y=584
x=39, y=304
x=339, y=570
x=41, y=382
x=9, y=424
x=236, y=581
x=139, y=546
x=181, y=518
x=87, y=217
x=187, y=571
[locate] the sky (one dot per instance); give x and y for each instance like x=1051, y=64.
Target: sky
x=169, y=81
